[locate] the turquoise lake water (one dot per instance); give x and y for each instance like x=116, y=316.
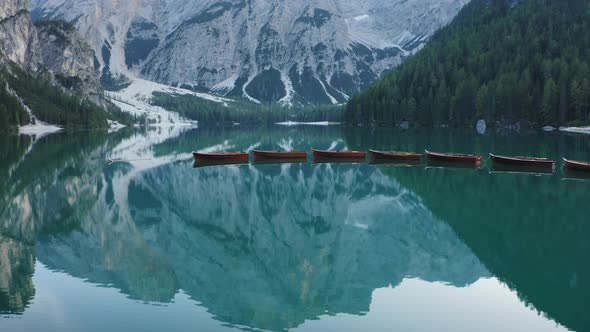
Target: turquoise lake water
x=150, y=243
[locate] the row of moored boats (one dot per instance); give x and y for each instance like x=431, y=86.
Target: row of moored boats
x=376, y=156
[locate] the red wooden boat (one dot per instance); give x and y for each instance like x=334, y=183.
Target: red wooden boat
x=282, y=155
x=454, y=158
x=395, y=155
x=523, y=161
x=338, y=154
x=222, y=156
x=575, y=165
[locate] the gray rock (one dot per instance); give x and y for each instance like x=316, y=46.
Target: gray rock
x=481, y=127
x=18, y=37
x=71, y=59
x=305, y=51
x=48, y=47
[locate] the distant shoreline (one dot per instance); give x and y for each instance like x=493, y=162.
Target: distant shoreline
x=295, y=123
x=578, y=130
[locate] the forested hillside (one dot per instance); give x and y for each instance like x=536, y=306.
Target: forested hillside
x=48, y=69
x=208, y=112
x=49, y=103
x=12, y=113
x=502, y=60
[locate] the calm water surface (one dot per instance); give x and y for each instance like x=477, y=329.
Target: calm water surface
x=149, y=243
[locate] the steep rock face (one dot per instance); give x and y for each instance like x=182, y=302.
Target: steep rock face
x=18, y=37
x=12, y=7
x=311, y=51
x=71, y=59
x=52, y=46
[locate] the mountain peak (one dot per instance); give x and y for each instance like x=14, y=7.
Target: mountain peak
x=292, y=52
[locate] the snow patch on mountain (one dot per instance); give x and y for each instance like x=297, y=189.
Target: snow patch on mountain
x=292, y=52
x=136, y=100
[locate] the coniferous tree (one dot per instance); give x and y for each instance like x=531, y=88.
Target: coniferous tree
x=502, y=60
x=3, y=118
x=550, y=101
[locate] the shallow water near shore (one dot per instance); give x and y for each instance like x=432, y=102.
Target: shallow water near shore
x=148, y=242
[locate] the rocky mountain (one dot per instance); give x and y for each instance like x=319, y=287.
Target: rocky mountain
x=52, y=46
x=69, y=58
x=18, y=36
x=48, y=74
x=308, y=51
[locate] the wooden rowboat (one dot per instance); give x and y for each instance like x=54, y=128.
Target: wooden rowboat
x=222, y=156
x=575, y=165
x=279, y=154
x=338, y=154
x=395, y=155
x=454, y=158
x=530, y=162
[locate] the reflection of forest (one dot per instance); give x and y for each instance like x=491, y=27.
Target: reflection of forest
x=271, y=246
x=531, y=232
x=265, y=246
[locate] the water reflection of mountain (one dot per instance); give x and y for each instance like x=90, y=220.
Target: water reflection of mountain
x=271, y=246
x=51, y=183
x=17, y=264
x=46, y=185
x=266, y=247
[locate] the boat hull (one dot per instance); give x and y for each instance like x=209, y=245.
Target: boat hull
x=208, y=163
x=229, y=156
x=279, y=155
x=339, y=154
x=321, y=160
x=275, y=161
x=452, y=165
x=518, y=169
x=572, y=174
x=575, y=165
x=525, y=162
x=454, y=158
x=396, y=163
x=395, y=156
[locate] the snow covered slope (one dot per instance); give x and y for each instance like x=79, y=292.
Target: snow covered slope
x=305, y=51
x=135, y=99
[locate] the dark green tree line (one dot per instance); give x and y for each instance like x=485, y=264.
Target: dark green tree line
x=52, y=105
x=49, y=104
x=499, y=60
x=12, y=113
x=209, y=112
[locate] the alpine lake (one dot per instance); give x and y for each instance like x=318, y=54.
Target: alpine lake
x=120, y=232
